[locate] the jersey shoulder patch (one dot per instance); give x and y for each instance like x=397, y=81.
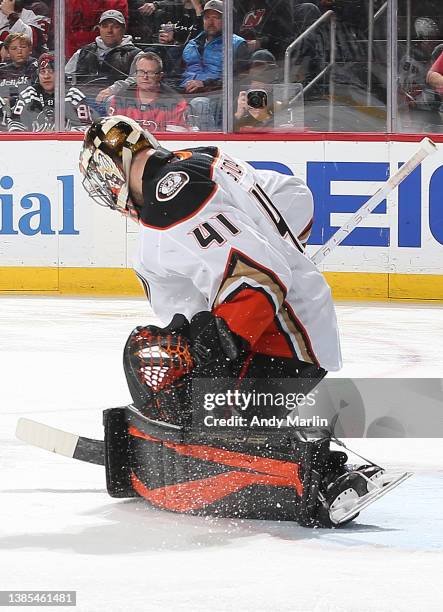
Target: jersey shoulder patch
x=178, y=191
x=169, y=186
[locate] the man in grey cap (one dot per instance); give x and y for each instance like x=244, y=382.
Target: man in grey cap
x=107, y=59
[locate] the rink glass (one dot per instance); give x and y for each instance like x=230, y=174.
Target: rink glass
x=360, y=68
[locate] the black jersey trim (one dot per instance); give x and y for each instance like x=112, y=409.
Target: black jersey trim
x=191, y=196
x=163, y=224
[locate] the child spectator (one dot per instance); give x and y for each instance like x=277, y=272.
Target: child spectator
x=21, y=69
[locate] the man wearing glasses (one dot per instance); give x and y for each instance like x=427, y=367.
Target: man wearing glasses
x=154, y=105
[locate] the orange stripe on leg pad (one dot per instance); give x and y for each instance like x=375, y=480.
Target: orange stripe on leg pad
x=196, y=494
x=271, y=467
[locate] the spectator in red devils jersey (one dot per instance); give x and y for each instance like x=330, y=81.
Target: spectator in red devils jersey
x=152, y=104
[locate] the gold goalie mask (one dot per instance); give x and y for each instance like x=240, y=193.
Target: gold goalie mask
x=105, y=160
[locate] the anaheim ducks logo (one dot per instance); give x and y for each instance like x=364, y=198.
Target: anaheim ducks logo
x=170, y=185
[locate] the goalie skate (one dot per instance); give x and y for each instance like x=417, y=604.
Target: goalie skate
x=347, y=496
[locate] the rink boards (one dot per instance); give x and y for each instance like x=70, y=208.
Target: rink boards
x=53, y=239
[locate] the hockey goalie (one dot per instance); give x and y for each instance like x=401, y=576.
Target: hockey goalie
x=221, y=258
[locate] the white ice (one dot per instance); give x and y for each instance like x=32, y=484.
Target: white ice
x=60, y=363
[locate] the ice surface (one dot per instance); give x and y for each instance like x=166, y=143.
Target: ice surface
x=60, y=361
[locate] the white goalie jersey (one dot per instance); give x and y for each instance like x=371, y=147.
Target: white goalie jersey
x=218, y=235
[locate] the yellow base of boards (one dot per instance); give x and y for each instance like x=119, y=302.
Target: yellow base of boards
x=123, y=282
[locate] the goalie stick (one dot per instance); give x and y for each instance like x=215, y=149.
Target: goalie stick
x=344, y=508
x=65, y=443
x=427, y=147
x=60, y=442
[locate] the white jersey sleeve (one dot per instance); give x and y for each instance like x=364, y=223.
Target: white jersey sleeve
x=211, y=238
x=293, y=199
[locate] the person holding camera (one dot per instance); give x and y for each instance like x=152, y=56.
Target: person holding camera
x=253, y=108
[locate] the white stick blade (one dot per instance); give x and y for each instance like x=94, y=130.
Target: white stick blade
x=428, y=145
x=46, y=437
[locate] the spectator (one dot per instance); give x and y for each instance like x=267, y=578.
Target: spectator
x=265, y=24
x=20, y=71
x=185, y=21
x=108, y=58
x=434, y=77
x=203, y=55
x=81, y=20
x=177, y=23
x=14, y=18
x=255, y=105
x=144, y=19
x=34, y=109
x=418, y=73
x=151, y=103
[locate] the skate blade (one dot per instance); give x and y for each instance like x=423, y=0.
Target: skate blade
x=360, y=503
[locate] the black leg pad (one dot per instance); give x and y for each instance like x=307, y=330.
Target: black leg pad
x=117, y=453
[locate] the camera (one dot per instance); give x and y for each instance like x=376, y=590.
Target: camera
x=257, y=98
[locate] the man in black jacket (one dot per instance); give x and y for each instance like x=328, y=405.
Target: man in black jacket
x=107, y=59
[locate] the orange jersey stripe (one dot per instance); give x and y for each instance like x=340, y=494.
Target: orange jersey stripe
x=248, y=314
